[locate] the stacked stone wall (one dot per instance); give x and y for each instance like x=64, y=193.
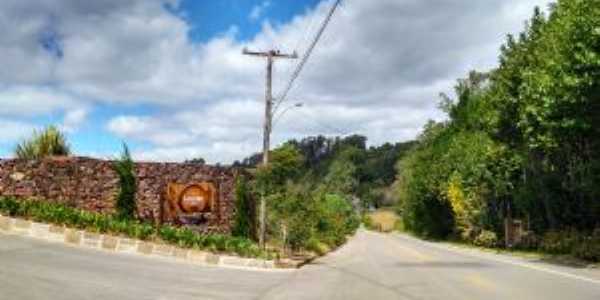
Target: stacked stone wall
x=93, y=185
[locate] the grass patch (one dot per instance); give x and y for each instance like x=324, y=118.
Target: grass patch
x=382, y=220
x=60, y=214
x=529, y=254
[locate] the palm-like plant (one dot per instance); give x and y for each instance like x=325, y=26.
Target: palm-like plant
x=48, y=142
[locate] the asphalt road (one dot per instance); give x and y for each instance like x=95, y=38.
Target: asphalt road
x=371, y=266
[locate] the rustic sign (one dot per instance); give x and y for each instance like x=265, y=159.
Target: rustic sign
x=513, y=231
x=191, y=200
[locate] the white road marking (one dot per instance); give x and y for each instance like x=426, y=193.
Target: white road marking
x=498, y=259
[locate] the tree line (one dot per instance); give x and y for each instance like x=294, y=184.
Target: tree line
x=521, y=141
x=315, y=187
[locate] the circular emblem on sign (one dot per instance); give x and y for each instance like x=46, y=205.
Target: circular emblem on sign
x=194, y=199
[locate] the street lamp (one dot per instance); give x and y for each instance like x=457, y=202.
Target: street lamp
x=296, y=105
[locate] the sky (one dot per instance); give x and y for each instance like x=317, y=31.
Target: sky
x=168, y=77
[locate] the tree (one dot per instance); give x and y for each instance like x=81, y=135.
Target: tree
x=285, y=164
x=197, y=161
x=243, y=224
x=125, y=168
x=520, y=141
x=341, y=177
x=48, y=142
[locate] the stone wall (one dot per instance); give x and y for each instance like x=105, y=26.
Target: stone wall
x=92, y=185
x=152, y=180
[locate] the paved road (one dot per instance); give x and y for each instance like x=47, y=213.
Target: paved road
x=371, y=266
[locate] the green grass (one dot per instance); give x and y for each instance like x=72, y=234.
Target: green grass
x=558, y=259
x=529, y=254
x=566, y=259
x=59, y=214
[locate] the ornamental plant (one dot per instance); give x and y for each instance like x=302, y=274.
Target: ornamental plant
x=48, y=142
x=60, y=214
x=125, y=168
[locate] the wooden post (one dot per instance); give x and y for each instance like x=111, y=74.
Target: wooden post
x=270, y=55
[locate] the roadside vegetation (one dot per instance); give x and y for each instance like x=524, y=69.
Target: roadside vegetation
x=521, y=141
x=316, y=188
x=125, y=168
x=63, y=215
x=383, y=220
x=48, y=142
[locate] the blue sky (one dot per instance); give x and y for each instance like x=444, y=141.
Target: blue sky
x=210, y=18
x=206, y=20
x=168, y=78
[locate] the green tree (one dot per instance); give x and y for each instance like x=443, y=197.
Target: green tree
x=197, y=161
x=520, y=141
x=125, y=168
x=285, y=164
x=244, y=209
x=341, y=177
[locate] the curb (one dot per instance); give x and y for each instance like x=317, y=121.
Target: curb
x=114, y=244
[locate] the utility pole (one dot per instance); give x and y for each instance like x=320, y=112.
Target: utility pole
x=271, y=56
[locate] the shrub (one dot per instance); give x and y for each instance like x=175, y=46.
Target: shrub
x=368, y=222
x=126, y=198
x=337, y=219
x=308, y=216
x=588, y=248
x=529, y=240
x=560, y=242
x=317, y=246
x=399, y=226
x=486, y=239
x=580, y=245
x=243, y=219
x=48, y=142
x=63, y=215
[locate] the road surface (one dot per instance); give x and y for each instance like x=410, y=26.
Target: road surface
x=370, y=266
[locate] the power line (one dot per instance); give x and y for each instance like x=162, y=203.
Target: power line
x=289, y=69
x=306, y=56
x=319, y=124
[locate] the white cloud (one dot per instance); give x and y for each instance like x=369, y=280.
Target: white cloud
x=73, y=119
x=377, y=71
x=259, y=10
x=12, y=131
x=154, y=130
x=34, y=101
x=23, y=104
x=213, y=153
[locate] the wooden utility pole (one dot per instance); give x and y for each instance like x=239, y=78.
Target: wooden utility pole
x=271, y=56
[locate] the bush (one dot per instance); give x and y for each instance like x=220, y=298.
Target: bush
x=63, y=215
x=317, y=246
x=368, y=222
x=243, y=220
x=126, y=198
x=560, y=242
x=588, y=249
x=486, y=239
x=580, y=245
x=309, y=216
x=529, y=241
x=337, y=220
x=293, y=214
x=49, y=142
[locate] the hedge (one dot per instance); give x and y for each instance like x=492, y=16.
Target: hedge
x=59, y=214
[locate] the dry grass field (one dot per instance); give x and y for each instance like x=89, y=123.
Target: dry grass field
x=383, y=220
